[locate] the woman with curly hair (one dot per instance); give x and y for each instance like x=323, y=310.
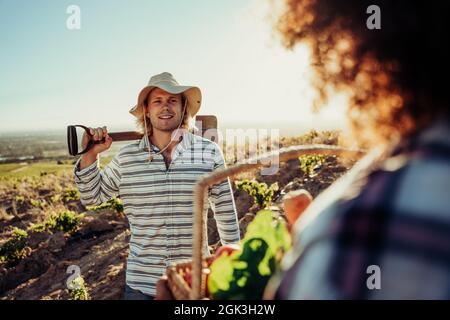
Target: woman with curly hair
x=383, y=231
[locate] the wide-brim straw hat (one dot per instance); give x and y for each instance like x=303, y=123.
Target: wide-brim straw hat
x=165, y=81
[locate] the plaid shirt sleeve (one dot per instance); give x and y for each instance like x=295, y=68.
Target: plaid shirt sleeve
x=223, y=205
x=390, y=224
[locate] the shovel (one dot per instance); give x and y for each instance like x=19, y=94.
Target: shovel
x=75, y=134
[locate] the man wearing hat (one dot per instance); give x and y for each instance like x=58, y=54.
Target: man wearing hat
x=155, y=178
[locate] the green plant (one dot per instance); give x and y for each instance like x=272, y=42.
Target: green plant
x=71, y=194
x=15, y=248
x=55, y=198
x=35, y=183
x=261, y=193
x=66, y=221
x=38, y=227
x=310, y=163
x=114, y=203
x=37, y=203
x=19, y=199
x=245, y=274
x=311, y=135
x=78, y=290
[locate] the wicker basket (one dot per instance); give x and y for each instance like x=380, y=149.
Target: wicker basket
x=178, y=286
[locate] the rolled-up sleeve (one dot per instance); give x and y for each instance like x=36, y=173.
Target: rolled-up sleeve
x=95, y=185
x=223, y=205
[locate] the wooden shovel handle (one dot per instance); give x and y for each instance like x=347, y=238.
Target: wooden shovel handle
x=125, y=136
x=207, y=121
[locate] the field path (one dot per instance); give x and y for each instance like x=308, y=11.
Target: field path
x=18, y=169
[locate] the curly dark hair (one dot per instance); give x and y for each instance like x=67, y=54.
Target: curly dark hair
x=394, y=74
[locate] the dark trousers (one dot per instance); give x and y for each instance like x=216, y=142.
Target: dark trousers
x=131, y=294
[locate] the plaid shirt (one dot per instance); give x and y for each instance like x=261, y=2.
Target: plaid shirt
x=393, y=214
x=158, y=202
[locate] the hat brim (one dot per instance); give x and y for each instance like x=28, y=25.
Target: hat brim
x=192, y=94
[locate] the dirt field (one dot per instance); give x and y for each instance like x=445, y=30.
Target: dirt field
x=100, y=243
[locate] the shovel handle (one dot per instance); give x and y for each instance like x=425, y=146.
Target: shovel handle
x=116, y=136
x=125, y=136
x=72, y=139
x=207, y=123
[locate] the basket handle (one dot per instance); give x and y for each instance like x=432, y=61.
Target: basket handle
x=217, y=176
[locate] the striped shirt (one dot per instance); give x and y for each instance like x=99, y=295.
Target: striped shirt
x=159, y=202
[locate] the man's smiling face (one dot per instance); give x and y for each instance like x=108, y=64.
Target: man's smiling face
x=164, y=109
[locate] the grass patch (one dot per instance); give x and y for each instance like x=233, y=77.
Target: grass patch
x=32, y=169
x=41, y=168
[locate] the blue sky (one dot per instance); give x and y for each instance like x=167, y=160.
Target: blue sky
x=51, y=76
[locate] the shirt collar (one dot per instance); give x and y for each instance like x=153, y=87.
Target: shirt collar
x=436, y=134
x=185, y=143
